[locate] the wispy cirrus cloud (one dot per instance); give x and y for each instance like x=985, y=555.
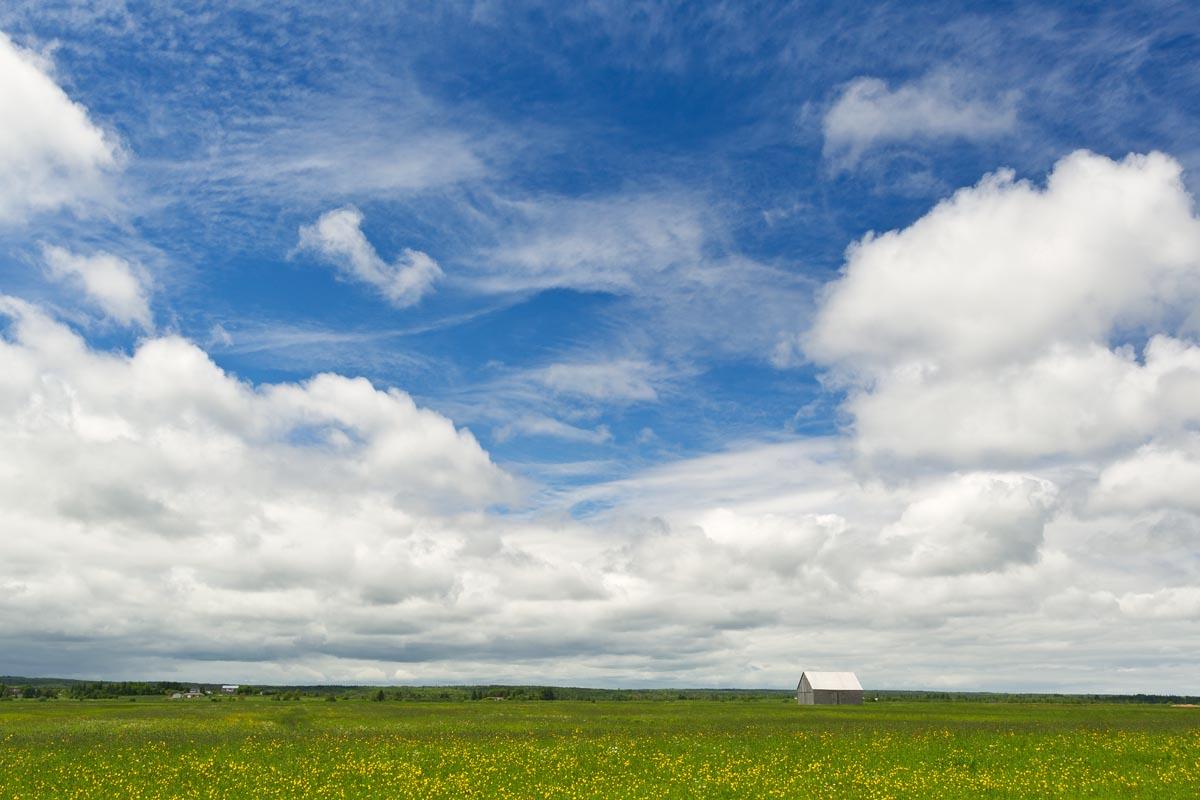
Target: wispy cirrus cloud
x=667, y=256
x=332, y=154
x=533, y=425
x=621, y=380
x=616, y=244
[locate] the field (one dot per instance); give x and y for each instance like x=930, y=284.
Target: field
x=255, y=748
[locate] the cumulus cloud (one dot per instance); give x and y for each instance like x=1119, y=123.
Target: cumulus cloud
x=1072, y=401
x=337, y=237
x=868, y=113
x=803, y=545
x=178, y=416
x=169, y=516
x=1177, y=602
x=165, y=516
x=991, y=327
x=51, y=153
x=116, y=286
x=1003, y=267
x=780, y=543
x=1157, y=476
x=176, y=492
x=975, y=523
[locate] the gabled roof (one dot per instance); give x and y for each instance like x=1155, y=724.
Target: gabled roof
x=833, y=680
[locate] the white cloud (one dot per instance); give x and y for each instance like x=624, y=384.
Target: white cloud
x=1079, y=401
x=537, y=425
x=614, y=244
x=337, y=236
x=562, y=400
x=985, y=331
x=170, y=493
x=782, y=543
x=51, y=154
x=961, y=577
x=315, y=149
x=116, y=286
x=939, y=106
x=664, y=256
x=386, y=162
x=975, y=523
x=617, y=380
x=1158, y=476
x=166, y=516
x=1003, y=268
x=173, y=412
x=1177, y=603
x=219, y=337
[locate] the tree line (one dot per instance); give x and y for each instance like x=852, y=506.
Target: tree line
x=48, y=688
x=90, y=690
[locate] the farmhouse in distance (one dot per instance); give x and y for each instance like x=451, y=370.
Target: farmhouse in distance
x=829, y=689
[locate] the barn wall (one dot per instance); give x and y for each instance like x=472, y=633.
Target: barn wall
x=834, y=697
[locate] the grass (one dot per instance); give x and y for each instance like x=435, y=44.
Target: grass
x=255, y=748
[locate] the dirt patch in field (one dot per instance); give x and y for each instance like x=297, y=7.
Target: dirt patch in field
x=1184, y=705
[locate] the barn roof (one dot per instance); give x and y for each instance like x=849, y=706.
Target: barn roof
x=833, y=680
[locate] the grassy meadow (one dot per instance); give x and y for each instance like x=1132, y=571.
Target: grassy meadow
x=257, y=748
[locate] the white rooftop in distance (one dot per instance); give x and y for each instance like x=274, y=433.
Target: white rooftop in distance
x=834, y=680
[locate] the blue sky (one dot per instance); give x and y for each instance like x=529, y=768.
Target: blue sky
x=680, y=321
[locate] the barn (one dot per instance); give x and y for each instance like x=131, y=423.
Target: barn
x=829, y=689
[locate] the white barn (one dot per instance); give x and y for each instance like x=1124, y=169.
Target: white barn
x=829, y=689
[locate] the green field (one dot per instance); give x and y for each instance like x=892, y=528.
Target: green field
x=256, y=748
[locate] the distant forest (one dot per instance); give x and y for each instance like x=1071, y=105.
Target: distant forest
x=16, y=687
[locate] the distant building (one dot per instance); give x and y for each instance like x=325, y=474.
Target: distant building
x=230, y=688
x=829, y=689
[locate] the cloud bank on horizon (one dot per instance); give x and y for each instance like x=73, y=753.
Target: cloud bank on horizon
x=737, y=365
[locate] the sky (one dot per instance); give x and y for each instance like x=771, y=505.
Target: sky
x=607, y=344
